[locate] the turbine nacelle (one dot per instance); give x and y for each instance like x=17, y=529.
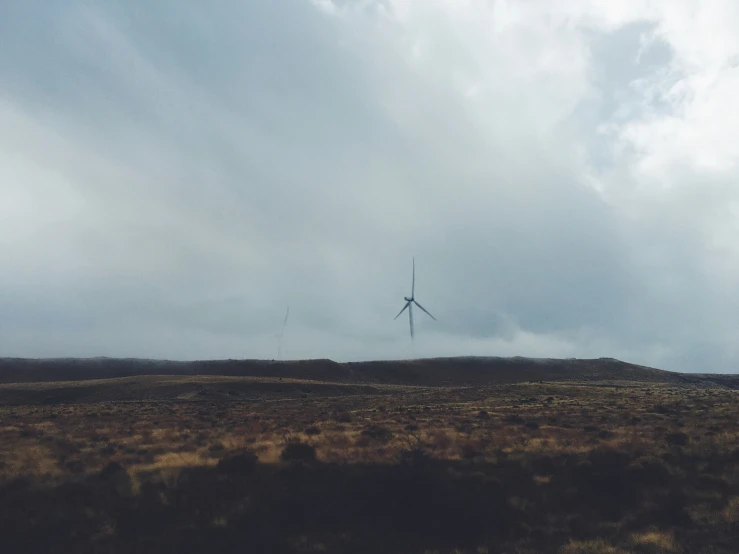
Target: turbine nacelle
x=407, y=299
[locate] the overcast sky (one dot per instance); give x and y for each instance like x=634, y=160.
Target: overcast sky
x=174, y=174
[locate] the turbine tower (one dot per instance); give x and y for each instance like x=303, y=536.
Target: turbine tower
x=412, y=300
x=282, y=332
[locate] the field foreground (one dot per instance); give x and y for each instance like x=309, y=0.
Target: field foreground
x=343, y=462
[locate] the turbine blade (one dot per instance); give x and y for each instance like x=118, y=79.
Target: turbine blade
x=424, y=309
x=284, y=323
x=401, y=311
x=413, y=285
x=410, y=317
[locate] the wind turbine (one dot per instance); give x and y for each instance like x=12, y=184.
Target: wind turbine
x=412, y=300
x=282, y=332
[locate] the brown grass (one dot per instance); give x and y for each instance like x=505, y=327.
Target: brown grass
x=656, y=541
x=590, y=547
x=531, y=467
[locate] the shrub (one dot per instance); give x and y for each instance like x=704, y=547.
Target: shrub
x=677, y=439
x=298, y=451
x=469, y=451
x=108, y=450
x=110, y=470
x=650, y=469
x=378, y=433
x=514, y=418
x=414, y=457
x=441, y=440
x=238, y=464
x=116, y=476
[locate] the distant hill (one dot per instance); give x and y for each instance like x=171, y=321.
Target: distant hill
x=431, y=372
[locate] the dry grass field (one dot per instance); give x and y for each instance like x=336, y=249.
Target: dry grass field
x=187, y=463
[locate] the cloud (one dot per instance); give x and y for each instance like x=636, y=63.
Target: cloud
x=564, y=173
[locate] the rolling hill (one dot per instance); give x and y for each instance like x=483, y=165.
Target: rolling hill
x=431, y=372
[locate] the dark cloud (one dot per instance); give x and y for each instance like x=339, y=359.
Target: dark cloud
x=175, y=176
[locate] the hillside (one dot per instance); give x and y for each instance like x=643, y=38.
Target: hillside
x=437, y=455
x=432, y=372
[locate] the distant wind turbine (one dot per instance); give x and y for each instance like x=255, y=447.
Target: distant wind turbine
x=412, y=300
x=281, y=333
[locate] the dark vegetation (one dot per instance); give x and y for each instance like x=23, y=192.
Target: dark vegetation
x=424, y=372
x=247, y=464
